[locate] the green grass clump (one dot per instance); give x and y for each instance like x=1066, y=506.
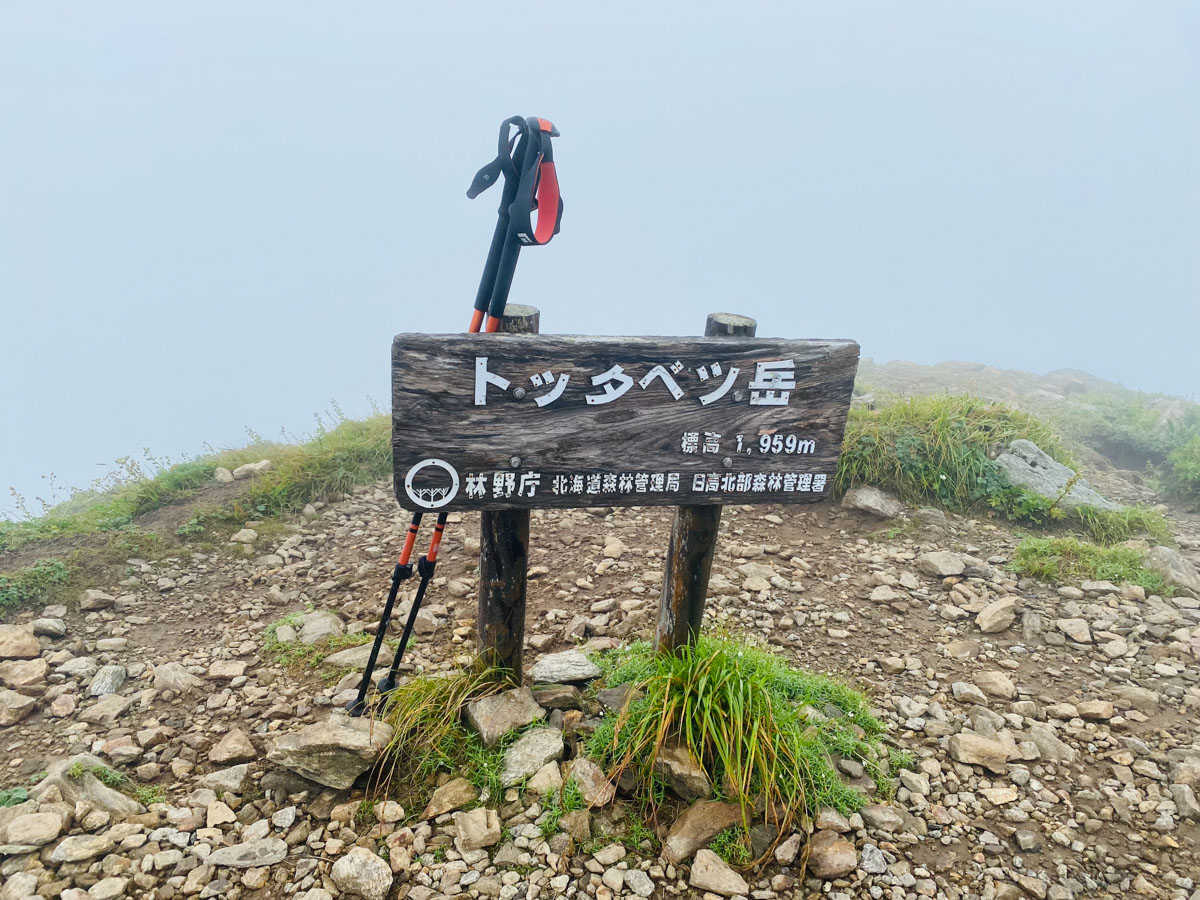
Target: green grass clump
x=940, y=448
x=35, y=584
x=333, y=461
x=145, y=794
x=936, y=448
x=296, y=655
x=428, y=735
x=13, y=796
x=1067, y=559
x=567, y=798
x=733, y=846
x=355, y=452
x=758, y=727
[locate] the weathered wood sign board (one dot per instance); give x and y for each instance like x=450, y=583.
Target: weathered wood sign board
x=535, y=421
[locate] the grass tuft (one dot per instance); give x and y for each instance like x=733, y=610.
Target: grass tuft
x=1058, y=560
x=936, y=448
x=35, y=584
x=428, y=735
x=940, y=449
x=762, y=731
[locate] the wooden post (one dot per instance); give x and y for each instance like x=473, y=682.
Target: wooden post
x=693, y=539
x=504, y=555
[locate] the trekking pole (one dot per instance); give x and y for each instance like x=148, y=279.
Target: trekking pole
x=530, y=182
x=401, y=573
x=526, y=161
x=425, y=567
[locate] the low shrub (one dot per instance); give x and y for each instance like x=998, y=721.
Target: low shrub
x=35, y=584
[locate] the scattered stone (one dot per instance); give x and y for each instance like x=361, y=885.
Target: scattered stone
x=710, y=873
x=361, y=873
x=477, y=829
x=830, y=855
x=564, y=667
x=698, y=825
x=494, y=717
x=874, y=501
x=334, y=752
x=19, y=642
x=529, y=753
x=262, y=852
x=452, y=795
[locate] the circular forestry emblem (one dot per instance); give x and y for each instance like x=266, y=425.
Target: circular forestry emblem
x=435, y=488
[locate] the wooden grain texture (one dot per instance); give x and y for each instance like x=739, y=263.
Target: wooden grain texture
x=435, y=415
x=693, y=541
x=504, y=557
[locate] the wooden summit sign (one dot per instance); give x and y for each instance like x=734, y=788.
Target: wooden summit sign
x=519, y=421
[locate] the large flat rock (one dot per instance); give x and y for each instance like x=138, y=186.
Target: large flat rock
x=334, y=752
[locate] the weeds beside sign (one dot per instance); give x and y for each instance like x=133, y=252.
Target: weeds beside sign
x=532, y=421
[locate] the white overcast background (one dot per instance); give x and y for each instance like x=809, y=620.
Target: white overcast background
x=216, y=215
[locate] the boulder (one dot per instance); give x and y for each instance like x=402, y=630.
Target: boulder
x=1025, y=465
x=250, y=855
x=234, y=747
x=228, y=780
x=450, y=796
x=361, y=873
x=874, y=501
x=530, y=752
x=495, y=716
x=594, y=786
x=107, y=680
x=710, y=873
x=477, y=829
x=333, y=753
x=830, y=855
x=683, y=774
x=319, y=625
x=1076, y=629
x=173, y=676
x=997, y=615
x=14, y=707
x=563, y=668
x=73, y=780
x=19, y=642
x=34, y=829
x=91, y=600
x=941, y=564
x=79, y=847
x=1174, y=569
x=977, y=750
x=23, y=673
x=698, y=825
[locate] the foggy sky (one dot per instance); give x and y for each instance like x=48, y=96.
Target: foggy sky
x=216, y=215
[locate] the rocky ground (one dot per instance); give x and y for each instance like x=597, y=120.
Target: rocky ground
x=1055, y=732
